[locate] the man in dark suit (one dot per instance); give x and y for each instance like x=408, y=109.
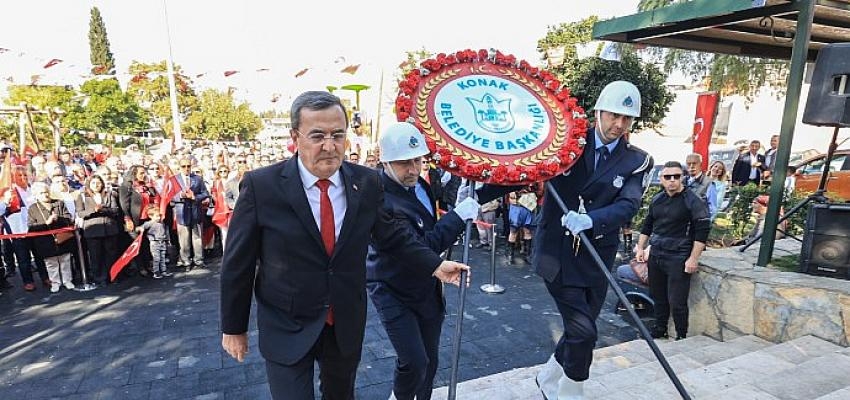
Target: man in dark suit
x=749, y=166
x=603, y=190
x=411, y=305
x=187, y=213
x=308, y=222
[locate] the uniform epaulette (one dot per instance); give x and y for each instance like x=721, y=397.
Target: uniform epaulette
x=647, y=161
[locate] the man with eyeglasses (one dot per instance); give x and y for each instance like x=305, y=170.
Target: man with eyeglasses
x=187, y=213
x=676, y=225
x=308, y=222
x=699, y=183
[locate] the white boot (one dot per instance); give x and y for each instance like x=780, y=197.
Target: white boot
x=569, y=389
x=548, y=377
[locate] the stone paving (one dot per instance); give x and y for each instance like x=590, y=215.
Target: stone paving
x=160, y=339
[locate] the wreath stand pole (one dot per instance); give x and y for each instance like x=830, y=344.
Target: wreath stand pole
x=588, y=246
x=461, y=303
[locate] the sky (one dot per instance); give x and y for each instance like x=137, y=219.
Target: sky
x=214, y=36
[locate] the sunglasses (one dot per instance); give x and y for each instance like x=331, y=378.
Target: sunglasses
x=672, y=177
x=185, y=166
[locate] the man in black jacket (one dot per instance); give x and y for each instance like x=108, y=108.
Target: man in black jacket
x=749, y=166
x=677, y=226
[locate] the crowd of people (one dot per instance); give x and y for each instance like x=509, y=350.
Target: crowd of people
x=110, y=199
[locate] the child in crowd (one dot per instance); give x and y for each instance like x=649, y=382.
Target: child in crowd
x=158, y=237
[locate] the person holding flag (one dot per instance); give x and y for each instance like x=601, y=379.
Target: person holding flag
x=16, y=222
x=222, y=211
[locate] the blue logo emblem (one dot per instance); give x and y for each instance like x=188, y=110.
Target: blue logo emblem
x=413, y=142
x=492, y=114
x=628, y=102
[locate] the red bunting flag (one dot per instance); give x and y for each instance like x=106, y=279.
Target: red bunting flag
x=125, y=258
x=231, y=72
x=302, y=72
x=7, y=183
x=200, y=75
x=52, y=62
x=351, y=69
x=262, y=70
x=170, y=188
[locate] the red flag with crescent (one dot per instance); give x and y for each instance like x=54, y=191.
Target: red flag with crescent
x=704, y=124
x=125, y=258
x=221, y=213
x=7, y=183
x=170, y=188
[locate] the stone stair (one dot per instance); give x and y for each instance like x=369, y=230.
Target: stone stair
x=745, y=368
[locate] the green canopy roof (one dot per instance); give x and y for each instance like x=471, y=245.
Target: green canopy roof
x=756, y=28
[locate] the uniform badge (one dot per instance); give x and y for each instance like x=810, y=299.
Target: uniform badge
x=618, y=182
x=419, y=223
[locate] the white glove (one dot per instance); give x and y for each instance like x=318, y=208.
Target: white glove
x=576, y=222
x=467, y=209
x=466, y=189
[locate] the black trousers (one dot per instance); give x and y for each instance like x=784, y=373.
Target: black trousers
x=416, y=340
x=337, y=372
x=579, y=307
x=102, y=254
x=669, y=286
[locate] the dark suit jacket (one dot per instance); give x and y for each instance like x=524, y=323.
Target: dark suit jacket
x=45, y=245
x=131, y=201
x=741, y=169
x=417, y=289
x=101, y=223
x=275, y=252
x=188, y=212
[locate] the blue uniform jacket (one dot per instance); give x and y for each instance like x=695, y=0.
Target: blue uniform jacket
x=612, y=195
x=417, y=289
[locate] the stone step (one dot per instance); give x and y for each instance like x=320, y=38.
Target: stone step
x=746, y=368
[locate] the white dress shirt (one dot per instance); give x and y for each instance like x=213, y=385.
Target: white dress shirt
x=336, y=191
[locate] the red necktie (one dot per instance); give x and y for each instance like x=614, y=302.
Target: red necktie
x=326, y=218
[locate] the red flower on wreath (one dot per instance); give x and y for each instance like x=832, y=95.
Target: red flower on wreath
x=499, y=173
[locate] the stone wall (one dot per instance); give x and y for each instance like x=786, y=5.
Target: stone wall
x=730, y=297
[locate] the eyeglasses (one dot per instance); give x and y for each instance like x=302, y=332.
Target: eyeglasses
x=319, y=137
x=672, y=177
x=224, y=171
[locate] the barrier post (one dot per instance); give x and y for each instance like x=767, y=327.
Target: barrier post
x=492, y=287
x=86, y=286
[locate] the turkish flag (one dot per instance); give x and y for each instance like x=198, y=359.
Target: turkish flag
x=301, y=73
x=351, y=69
x=170, y=188
x=125, y=258
x=704, y=124
x=221, y=213
x=228, y=73
x=7, y=183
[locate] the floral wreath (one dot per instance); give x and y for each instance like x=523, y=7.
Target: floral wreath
x=569, y=119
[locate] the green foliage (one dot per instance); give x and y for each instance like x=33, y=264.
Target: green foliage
x=274, y=114
x=218, y=117
x=587, y=77
x=637, y=221
x=726, y=74
x=43, y=98
x=100, y=55
x=149, y=87
x=741, y=209
x=109, y=109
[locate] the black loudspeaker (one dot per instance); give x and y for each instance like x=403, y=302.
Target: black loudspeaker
x=829, y=95
x=826, y=245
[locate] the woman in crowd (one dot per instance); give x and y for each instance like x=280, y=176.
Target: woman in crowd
x=717, y=173
x=98, y=208
x=134, y=196
x=222, y=213
x=47, y=214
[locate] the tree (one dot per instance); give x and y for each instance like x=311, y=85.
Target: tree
x=586, y=77
x=726, y=74
x=101, y=56
x=218, y=117
x=109, y=109
x=45, y=98
x=149, y=88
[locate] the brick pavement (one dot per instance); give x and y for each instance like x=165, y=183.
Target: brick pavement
x=147, y=339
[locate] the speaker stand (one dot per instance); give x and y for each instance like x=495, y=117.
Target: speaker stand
x=818, y=196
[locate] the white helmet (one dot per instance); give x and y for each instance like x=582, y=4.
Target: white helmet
x=620, y=97
x=402, y=141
